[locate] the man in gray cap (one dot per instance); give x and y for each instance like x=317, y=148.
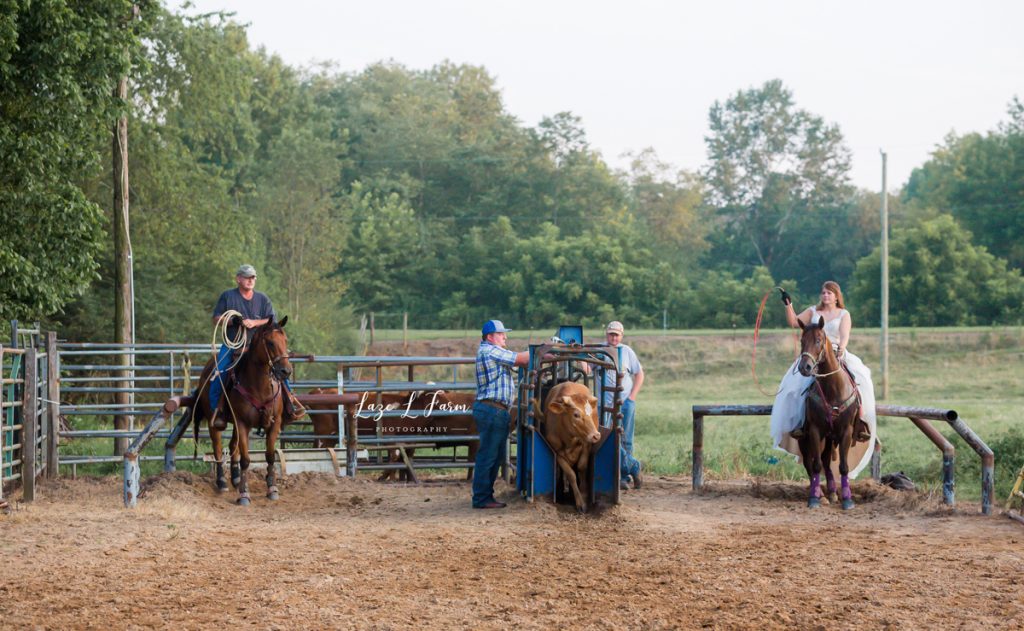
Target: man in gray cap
x=256, y=310
x=632, y=380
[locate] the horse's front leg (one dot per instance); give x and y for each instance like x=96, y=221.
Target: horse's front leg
x=271, y=454
x=844, y=466
x=830, y=478
x=218, y=454
x=236, y=473
x=242, y=434
x=812, y=462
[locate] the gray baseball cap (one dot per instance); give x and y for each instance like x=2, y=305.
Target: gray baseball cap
x=246, y=270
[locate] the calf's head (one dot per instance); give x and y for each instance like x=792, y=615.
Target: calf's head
x=579, y=414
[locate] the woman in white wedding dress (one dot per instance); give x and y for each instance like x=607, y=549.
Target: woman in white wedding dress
x=788, y=410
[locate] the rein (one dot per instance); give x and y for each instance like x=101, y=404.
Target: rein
x=275, y=380
x=832, y=412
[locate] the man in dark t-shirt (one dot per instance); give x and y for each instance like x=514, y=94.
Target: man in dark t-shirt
x=255, y=306
x=256, y=310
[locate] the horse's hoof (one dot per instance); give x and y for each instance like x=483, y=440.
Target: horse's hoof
x=222, y=485
x=243, y=501
x=272, y=493
x=847, y=504
x=833, y=497
x=814, y=502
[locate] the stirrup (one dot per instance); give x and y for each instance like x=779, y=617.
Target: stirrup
x=863, y=431
x=293, y=410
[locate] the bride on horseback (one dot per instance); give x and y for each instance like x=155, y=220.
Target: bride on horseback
x=788, y=409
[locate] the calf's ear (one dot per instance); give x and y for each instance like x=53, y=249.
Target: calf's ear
x=556, y=406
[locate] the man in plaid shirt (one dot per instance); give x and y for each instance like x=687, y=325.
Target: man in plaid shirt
x=495, y=391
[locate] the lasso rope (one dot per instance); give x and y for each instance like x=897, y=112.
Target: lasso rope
x=757, y=331
x=220, y=329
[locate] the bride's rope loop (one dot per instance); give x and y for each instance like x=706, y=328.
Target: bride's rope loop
x=757, y=331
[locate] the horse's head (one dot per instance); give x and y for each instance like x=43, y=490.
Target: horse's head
x=270, y=345
x=814, y=347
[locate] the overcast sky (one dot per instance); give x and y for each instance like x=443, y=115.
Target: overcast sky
x=894, y=75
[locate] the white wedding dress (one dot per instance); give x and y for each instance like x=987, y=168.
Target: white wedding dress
x=788, y=409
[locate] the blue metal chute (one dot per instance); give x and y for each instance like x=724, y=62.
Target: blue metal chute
x=537, y=472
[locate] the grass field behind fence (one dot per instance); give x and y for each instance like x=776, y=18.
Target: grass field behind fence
x=979, y=372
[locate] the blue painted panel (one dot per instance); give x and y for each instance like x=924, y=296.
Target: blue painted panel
x=535, y=470
x=543, y=467
x=606, y=465
x=571, y=334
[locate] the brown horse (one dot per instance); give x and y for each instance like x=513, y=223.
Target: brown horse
x=256, y=400
x=832, y=407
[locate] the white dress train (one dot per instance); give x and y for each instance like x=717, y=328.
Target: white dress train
x=788, y=409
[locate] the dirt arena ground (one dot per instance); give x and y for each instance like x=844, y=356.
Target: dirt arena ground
x=340, y=553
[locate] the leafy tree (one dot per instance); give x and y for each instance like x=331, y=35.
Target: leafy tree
x=59, y=63
x=979, y=179
x=826, y=244
x=384, y=253
x=301, y=223
x=668, y=205
x=769, y=163
x=579, y=188
x=937, y=277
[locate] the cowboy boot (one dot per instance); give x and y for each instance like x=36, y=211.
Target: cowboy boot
x=797, y=432
x=219, y=421
x=293, y=410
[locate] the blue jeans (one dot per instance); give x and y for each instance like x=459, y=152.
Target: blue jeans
x=627, y=463
x=223, y=361
x=224, y=357
x=492, y=426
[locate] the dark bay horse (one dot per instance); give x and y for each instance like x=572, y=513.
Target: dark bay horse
x=832, y=407
x=255, y=401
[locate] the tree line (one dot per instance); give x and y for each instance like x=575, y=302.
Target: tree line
x=407, y=190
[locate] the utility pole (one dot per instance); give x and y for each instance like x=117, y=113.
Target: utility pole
x=124, y=300
x=885, y=284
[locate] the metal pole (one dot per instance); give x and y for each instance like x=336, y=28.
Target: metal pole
x=52, y=404
x=885, y=283
x=29, y=429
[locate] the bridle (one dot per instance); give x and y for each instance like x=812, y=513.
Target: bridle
x=815, y=361
x=277, y=371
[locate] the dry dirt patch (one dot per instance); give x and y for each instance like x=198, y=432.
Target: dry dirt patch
x=340, y=553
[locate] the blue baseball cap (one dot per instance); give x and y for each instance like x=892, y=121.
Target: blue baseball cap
x=494, y=326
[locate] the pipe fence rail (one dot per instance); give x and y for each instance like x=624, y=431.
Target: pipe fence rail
x=60, y=404
x=917, y=415
x=28, y=417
